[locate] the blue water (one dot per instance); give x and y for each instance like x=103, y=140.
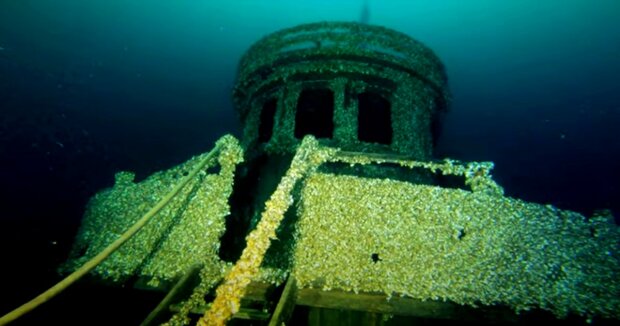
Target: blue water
x=88, y=88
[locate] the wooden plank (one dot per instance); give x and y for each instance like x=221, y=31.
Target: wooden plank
x=258, y=291
x=243, y=313
x=324, y=316
x=174, y=295
x=286, y=304
x=378, y=303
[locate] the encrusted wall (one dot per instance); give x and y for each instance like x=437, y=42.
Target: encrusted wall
x=380, y=235
x=186, y=232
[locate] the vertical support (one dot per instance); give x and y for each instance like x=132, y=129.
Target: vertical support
x=404, y=132
x=422, y=106
x=284, y=128
x=251, y=123
x=286, y=304
x=345, y=119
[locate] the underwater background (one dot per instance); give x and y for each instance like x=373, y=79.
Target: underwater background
x=89, y=88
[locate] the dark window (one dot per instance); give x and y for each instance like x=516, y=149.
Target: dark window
x=315, y=113
x=267, y=114
x=374, y=119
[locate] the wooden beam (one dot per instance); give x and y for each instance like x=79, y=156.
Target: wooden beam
x=378, y=303
x=258, y=291
x=175, y=293
x=324, y=316
x=286, y=304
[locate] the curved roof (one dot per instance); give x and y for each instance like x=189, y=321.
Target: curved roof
x=347, y=41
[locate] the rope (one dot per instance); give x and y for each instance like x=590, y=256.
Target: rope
x=89, y=265
x=308, y=157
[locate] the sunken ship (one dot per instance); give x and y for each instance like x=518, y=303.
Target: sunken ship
x=331, y=208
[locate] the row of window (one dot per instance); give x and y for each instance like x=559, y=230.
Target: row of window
x=315, y=116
